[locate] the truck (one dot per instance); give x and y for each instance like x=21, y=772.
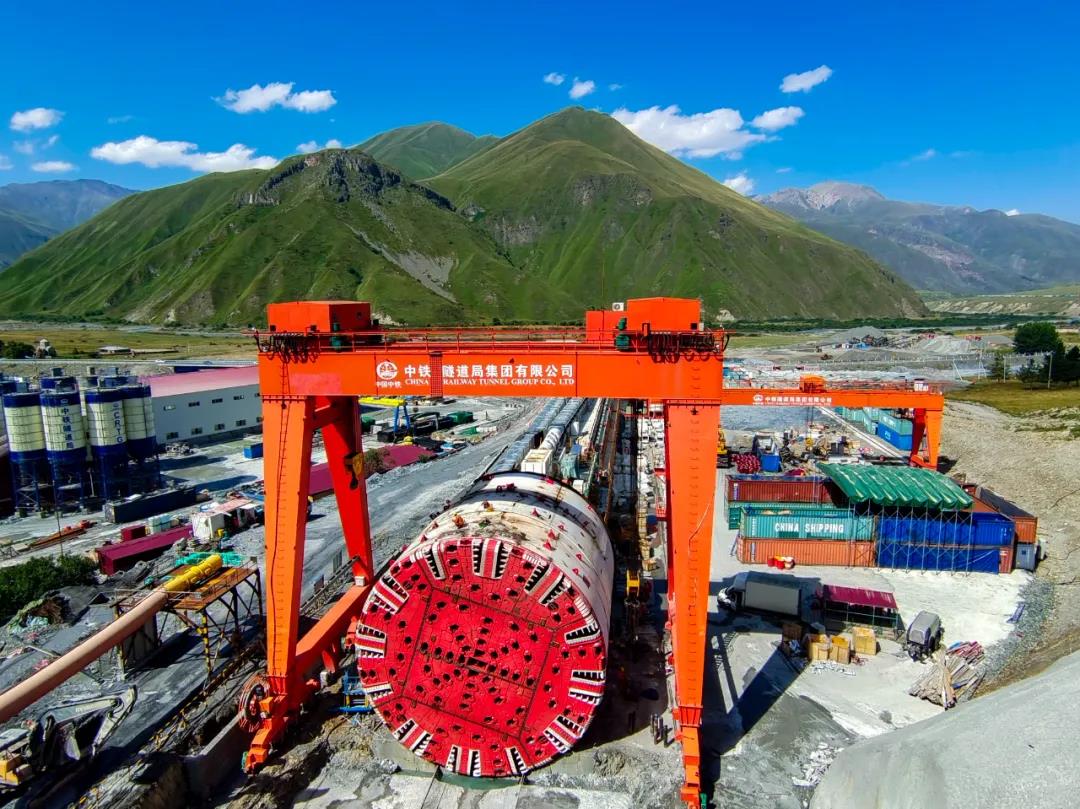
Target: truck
x=763, y=592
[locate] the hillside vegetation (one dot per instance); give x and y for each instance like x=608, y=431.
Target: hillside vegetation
x=425, y=150
x=569, y=213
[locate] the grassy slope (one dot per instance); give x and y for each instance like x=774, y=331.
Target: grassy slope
x=1011, y=397
x=584, y=203
x=194, y=254
x=425, y=150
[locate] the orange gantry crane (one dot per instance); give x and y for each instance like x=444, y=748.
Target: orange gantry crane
x=318, y=358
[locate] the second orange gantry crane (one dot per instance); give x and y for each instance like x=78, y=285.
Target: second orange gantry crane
x=319, y=357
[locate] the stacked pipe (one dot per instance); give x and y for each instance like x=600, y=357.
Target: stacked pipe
x=483, y=646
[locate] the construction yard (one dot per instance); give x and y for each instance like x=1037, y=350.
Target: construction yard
x=773, y=723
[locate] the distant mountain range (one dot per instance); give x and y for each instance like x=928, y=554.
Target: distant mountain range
x=435, y=225
x=32, y=213
x=939, y=247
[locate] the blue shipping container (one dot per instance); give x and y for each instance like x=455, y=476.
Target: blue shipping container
x=920, y=557
x=893, y=437
x=898, y=426
x=253, y=450
x=979, y=528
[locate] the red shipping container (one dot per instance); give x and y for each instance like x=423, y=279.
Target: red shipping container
x=806, y=551
x=778, y=490
x=1007, y=556
x=132, y=532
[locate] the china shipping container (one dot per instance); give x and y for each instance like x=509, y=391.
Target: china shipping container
x=735, y=510
x=982, y=529
x=953, y=558
x=769, y=489
x=1026, y=525
x=806, y=551
x=824, y=523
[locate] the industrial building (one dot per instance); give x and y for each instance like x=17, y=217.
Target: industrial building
x=195, y=407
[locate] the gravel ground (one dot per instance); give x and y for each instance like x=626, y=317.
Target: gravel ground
x=1035, y=468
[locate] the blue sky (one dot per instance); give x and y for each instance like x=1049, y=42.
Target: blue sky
x=940, y=102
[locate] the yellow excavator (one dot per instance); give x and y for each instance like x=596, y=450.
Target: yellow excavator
x=723, y=454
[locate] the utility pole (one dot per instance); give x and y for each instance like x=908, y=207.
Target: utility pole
x=1049, y=370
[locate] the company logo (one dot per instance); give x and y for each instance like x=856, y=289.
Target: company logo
x=386, y=370
x=758, y=398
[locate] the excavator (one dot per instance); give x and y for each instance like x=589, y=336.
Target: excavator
x=723, y=454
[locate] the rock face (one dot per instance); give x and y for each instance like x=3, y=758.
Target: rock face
x=1016, y=747
x=940, y=247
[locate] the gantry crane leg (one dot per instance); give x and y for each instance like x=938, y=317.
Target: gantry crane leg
x=927, y=422
x=288, y=425
x=690, y=447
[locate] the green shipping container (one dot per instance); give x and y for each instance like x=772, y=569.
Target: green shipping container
x=735, y=510
x=820, y=523
x=901, y=426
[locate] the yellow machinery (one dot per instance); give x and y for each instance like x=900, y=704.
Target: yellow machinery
x=723, y=454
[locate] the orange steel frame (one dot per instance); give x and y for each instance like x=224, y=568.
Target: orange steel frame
x=319, y=357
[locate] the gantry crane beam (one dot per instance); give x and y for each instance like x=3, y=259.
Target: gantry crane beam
x=318, y=357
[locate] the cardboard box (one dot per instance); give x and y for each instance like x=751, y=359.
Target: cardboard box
x=865, y=641
x=840, y=650
x=818, y=651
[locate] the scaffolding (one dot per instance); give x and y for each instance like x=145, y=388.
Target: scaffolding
x=221, y=611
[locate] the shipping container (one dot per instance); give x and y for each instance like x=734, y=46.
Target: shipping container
x=985, y=529
x=806, y=551
x=823, y=523
x=1025, y=524
x=122, y=555
x=253, y=451
x=735, y=510
x=897, y=425
x=896, y=439
x=770, y=489
x=1006, y=560
x=957, y=559
x=148, y=505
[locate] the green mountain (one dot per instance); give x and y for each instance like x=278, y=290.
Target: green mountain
x=425, y=150
x=577, y=200
x=571, y=212
x=32, y=213
x=939, y=247
x=334, y=224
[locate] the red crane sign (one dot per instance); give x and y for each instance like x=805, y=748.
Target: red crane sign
x=319, y=357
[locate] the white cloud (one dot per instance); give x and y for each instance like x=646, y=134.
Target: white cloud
x=313, y=146
x=154, y=153
x=53, y=166
x=741, y=183
x=119, y=119
x=781, y=117
x=580, y=88
x=5, y=162
x=259, y=98
x=614, y=87
x=554, y=78
x=37, y=118
x=804, y=82
x=703, y=134
x=922, y=157
x=29, y=146
x=1012, y=212
x=783, y=170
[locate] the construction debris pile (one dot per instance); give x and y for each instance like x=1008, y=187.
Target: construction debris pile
x=954, y=678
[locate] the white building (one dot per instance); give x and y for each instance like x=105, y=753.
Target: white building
x=196, y=406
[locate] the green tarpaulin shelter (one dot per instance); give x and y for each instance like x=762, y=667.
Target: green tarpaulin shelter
x=897, y=486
